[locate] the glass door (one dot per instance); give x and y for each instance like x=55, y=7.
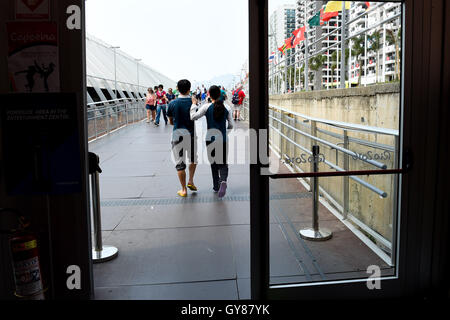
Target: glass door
x=328, y=190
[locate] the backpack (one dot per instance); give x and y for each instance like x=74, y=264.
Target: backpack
x=235, y=99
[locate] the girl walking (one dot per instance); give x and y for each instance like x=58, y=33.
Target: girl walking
x=151, y=105
x=217, y=114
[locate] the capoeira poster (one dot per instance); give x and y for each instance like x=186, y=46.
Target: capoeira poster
x=32, y=9
x=33, y=57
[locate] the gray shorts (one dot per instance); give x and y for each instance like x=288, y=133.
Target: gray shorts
x=237, y=107
x=181, y=149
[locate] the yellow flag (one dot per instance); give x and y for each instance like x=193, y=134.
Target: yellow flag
x=333, y=6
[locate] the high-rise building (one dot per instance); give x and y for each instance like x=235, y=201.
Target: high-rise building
x=381, y=44
x=382, y=36
x=281, y=25
x=327, y=75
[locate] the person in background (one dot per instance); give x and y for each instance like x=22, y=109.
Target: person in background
x=150, y=105
x=170, y=95
x=176, y=93
x=223, y=94
x=217, y=115
x=198, y=94
x=237, y=101
x=162, y=104
x=204, y=95
x=183, y=137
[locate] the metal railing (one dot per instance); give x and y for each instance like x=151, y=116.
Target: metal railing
x=297, y=132
x=290, y=127
x=107, y=116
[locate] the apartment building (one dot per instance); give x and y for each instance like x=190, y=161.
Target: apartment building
x=326, y=76
x=380, y=51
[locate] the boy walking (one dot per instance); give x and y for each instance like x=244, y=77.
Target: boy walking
x=183, y=137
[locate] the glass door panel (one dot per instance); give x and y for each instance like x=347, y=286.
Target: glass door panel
x=334, y=85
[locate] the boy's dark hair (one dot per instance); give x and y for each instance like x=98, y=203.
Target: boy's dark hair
x=161, y=86
x=184, y=86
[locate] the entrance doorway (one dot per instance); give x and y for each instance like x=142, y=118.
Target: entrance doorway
x=169, y=247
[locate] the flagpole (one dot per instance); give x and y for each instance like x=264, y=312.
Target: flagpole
x=306, y=50
x=286, y=66
x=365, y=52
x=342, y=69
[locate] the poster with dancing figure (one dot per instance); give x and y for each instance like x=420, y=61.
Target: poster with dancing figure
x=33, y=57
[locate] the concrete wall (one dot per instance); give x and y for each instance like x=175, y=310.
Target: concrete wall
x=376, y=106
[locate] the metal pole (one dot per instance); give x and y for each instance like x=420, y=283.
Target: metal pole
x=395, y=212
x=100, y=253
x=115, y=74
x=306, y=51
x=107, y=119
x=115, y=70
x=315, y=233
x=343, y=46
x=365, y=55
x=95, y=124
x=346, y=178
x=285, y=72
x=96, y=207
x=314, y=134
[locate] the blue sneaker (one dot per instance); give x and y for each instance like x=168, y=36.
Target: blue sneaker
x=222, y=189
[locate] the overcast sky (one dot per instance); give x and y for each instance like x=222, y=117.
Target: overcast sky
x=194, y=39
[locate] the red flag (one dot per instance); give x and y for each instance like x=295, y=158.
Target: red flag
x=327, y=15
x=288, y=42
x=299, y=36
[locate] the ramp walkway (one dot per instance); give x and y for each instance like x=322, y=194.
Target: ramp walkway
x=199, y=247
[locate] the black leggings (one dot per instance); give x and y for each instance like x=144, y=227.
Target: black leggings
x=219, y=167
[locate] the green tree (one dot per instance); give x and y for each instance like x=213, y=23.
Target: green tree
x=302, y=75
x=316, y=63
x=375, y=46
x=358, y=52
x=394, y=39
x=334, y=64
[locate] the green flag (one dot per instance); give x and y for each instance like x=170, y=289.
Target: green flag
x=315, y=20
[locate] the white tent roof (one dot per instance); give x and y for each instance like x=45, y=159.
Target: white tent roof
x=100, y=65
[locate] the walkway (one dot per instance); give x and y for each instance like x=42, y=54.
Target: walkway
x=199, y=247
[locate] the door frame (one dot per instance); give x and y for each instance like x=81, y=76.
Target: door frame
x=420, y=266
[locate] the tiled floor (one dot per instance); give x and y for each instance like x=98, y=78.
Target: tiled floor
x=199, y=247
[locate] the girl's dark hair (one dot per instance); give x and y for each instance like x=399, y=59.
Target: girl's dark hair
x=219, y=107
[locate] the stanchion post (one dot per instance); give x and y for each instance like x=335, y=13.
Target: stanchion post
x=315, y=233
x=100, y=253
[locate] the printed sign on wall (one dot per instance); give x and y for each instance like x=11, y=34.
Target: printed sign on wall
x=44, y=156
x=32, y=10
x=33, y=57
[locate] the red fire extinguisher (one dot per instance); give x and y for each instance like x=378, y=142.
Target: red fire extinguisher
x=26, y=262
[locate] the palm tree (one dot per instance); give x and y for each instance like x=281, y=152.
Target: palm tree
x=334, y=65
x=358, y=52
x=394, y=39
x=316, y=64
x=335, y=62
x=302, y=75
x=375, y=39
x=291, y=77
